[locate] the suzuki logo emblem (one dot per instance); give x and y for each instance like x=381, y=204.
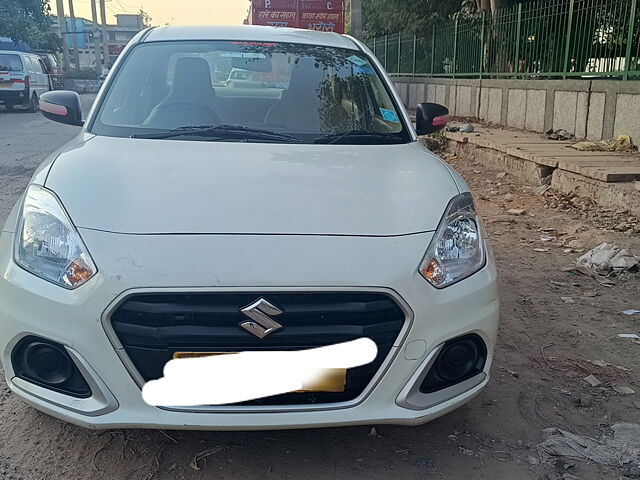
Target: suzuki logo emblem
x=261, y=323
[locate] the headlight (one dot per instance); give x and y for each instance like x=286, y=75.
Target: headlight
x=48, y=245
x=457, y=250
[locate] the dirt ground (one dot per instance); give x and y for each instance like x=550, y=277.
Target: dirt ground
x=553, y=324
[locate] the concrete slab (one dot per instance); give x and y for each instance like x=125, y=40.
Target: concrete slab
x=606, y=171
x=421, y=94
x=548, y=158
x=612, y=175
x=627, y=117
x=536, y=104
x=494, y=112
x=564, y=111
x=402, y=88
x=582, y=113
x=484, y=104
x=595, y=122
x=412, y=98
x=441, y=93
x=452, y=104
x=622, y=196
x=463, y=105
x=517, y=108
x=431, y=93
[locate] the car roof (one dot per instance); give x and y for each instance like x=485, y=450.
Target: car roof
x=251, y=33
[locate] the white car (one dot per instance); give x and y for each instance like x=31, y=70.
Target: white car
x=190, y=219
x=23, y=79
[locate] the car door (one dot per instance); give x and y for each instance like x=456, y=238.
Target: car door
x=46, y=77
x=41, y=84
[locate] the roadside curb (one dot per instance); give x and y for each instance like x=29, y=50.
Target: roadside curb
x=610, y=179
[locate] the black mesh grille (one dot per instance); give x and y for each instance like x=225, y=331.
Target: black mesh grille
x=152, y=327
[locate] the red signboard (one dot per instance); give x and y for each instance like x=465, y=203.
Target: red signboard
x=323, y=15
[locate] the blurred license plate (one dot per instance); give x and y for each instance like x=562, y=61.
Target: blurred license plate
x=5, y=84
x=333, y=380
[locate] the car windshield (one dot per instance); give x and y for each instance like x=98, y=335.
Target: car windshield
x=302, y=93
x=10, y=63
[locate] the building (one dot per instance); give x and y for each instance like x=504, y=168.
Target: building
x=86, y=32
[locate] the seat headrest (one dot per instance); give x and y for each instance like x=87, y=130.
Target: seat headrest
x=305, y=78
x=192, y=78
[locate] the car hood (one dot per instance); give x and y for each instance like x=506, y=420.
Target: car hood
x=140, y=186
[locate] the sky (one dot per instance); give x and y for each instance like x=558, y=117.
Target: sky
x=174, y=12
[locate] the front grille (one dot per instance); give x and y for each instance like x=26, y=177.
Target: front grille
x=152, y=327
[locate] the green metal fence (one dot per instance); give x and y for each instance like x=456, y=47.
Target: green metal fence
x=541, y=39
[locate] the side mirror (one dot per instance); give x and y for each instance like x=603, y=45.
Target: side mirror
x=431, y=117
x=62, y=106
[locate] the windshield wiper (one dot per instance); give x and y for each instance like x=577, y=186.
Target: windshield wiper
x=358, y=137
x=221, y=132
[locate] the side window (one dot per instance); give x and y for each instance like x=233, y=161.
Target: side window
x=28, y=66
x=35, y=65
x=42, y=67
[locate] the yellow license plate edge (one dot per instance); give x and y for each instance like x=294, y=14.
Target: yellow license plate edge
x=334, y=380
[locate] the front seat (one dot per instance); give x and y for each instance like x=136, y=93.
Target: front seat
x=298, y=109
x=191, y=100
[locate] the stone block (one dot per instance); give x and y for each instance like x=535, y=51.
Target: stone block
x=536, y=106
x=441, y=93
x=463, y=103
x=582, y=113
x=628, y=117
x=431, y=93
x=595, y=122
x=494, y=113
x=564, y=111
x=517, y=108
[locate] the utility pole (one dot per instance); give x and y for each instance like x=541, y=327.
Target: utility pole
x=96, y=44
x=356, y=18
x=62, y=24
x=74, y=36
x=105, y=47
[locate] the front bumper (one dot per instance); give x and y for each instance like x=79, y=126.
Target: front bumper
x=79, y=320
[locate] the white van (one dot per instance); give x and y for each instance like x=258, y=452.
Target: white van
x=23, y=79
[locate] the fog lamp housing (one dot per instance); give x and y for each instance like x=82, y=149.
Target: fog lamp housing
x=48, y=364
x=459, y=359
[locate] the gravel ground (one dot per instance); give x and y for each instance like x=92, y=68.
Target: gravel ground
x=545, y=345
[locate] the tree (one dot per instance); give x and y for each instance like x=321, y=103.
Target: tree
x=410, y=16
x=28, y=21
x=146, y=18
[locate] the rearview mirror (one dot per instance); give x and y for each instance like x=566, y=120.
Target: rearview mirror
x=430, y=117
x=253, y=64
x=62, y=106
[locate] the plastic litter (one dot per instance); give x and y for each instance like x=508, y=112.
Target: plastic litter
x=633, y=336
x=631, y=312
x=607, y=260
x=464, y=128
x=620, y=449
x=622, y=143
x=560, y=134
